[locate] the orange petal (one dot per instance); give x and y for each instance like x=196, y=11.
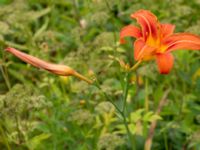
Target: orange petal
x=131, y=31
x=53, y=68
x=182, y=41
x=165, y=62
x=141, y=50
x=148, y=22
x=167, y=29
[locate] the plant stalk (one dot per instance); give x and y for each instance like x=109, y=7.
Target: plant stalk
x=78, y=75
x=124, y=100
x=149, y=139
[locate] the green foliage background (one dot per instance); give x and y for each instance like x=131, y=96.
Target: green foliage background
x=41, y=111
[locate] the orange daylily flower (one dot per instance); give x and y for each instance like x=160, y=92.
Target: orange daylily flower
x=57, y=69
x=155, y=40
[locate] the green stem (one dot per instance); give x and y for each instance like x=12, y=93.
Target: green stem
x=132, y=145
x=146, y=96
x=118, y=109
x=124, y=100
x=126, y=88
x=106, y=96
x=165, y=141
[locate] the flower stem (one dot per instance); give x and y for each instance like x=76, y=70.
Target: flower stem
x=78, y=75
x=126, y=88
x=134, y=67
x=132, y=144
x=124, y=100
x=118, y=109
x=146, y=96
x=106, y=96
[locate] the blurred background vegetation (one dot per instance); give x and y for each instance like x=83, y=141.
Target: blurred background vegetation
x=40, y=111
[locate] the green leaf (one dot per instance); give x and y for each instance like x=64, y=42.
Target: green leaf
x=37, y=140
x=137, y=115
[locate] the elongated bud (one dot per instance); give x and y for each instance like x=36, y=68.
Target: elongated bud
x=57, y=69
